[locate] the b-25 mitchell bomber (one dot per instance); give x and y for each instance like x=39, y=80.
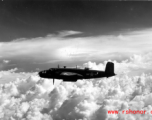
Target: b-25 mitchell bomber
x=73, y=74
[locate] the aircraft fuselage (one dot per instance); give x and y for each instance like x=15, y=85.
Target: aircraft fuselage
x=73, y=74
x=67, y=73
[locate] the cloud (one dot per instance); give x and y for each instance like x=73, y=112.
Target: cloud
x=6, y=61
x=31, y=97
x=57, y=47
x=68, y=33
x=27, y=96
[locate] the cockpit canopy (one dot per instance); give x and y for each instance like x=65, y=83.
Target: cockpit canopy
x=44, y=71
x=51, y=69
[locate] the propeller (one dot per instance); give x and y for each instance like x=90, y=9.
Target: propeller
x=53, y=72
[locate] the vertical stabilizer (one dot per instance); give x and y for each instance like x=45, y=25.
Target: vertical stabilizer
x=109, y=70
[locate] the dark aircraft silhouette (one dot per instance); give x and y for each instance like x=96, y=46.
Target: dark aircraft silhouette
x=73, y=74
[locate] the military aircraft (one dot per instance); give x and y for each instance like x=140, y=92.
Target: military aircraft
x=73, y=74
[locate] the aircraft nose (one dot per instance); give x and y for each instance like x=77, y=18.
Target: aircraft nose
x=40, y=74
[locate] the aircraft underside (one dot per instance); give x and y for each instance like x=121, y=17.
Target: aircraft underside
x=70, y=80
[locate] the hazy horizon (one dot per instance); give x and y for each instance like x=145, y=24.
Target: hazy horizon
x=36, y=35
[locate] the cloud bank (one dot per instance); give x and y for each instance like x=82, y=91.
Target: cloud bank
x=62, y=47
x=26, y=96
x=29, y=97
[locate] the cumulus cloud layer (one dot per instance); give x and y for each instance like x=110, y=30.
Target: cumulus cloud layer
x=30, y=97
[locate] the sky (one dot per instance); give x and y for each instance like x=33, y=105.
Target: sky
x=36, y=35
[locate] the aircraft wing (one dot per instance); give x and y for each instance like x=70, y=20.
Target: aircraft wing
x=70, y=74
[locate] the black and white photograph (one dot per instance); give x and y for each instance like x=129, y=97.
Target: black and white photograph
x=75, y=60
